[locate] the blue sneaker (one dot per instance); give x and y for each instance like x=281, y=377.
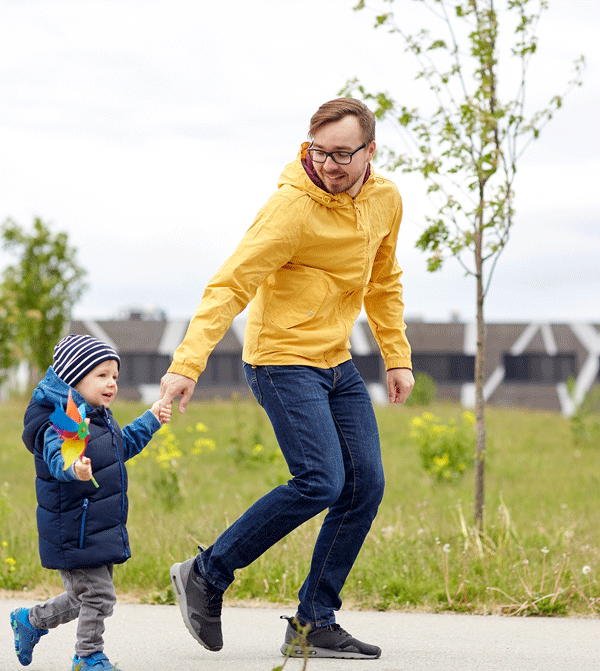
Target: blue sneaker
x=96, y=661
x=26, y=635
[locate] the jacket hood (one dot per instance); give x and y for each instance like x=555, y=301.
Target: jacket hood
x=294, y=175
x=50, y=392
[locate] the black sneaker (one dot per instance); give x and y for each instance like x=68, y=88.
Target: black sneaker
x=328, y=641
x=200, y=604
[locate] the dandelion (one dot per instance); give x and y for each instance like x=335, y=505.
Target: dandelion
x=4, y=544
x=586, y=569
x=258, y=448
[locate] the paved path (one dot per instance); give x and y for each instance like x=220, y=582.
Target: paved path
x=153, y=638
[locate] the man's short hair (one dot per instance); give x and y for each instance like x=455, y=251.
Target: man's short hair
x=337, y=109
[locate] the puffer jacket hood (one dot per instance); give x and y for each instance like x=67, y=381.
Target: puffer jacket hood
x=50, y=393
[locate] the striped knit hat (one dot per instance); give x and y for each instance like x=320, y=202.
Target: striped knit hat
x=76, y=355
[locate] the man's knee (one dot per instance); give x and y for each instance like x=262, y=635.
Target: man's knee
x=320, y=490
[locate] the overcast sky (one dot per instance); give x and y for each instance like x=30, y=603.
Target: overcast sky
x=153, y=130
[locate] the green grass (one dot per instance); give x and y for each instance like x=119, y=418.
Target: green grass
x=541, y=522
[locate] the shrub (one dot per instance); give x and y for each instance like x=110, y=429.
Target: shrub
x=445, y=449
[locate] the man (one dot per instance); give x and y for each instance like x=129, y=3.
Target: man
x=321, y=248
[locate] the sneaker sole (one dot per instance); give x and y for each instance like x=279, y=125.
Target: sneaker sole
x=296, y=651
x=175, y=575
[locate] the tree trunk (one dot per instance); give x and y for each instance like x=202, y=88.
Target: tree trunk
x=479, y=400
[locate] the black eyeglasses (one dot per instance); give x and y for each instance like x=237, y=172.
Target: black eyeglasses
x=339, y=157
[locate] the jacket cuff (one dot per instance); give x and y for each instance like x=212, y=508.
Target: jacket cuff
x=151, y=421
x=398, y=363
x=182, y=369
x=70, y=472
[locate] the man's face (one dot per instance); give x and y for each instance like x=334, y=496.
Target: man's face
x=343, y=135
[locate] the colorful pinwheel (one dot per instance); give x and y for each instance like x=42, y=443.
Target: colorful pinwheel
x=73, y=429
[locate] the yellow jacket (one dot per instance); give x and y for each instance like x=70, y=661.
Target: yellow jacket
x=308, y=263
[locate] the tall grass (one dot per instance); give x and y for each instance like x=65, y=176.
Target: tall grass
x=539, y=552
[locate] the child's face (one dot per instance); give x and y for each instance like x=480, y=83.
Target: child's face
x=99, y=386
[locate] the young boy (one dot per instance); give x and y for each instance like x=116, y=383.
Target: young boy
x=81, y=527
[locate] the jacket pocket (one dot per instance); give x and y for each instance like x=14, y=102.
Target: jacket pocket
x=298, y=293
x=82, y=526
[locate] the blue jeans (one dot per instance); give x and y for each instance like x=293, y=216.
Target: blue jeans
x=325, y=425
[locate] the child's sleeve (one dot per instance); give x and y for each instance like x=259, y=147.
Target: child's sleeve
x=54, y=458
x=138, y=434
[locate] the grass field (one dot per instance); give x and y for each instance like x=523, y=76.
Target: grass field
x=539, y=552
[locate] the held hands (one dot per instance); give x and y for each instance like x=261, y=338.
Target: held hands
x=173, y=385
x=400, y=382
x=162, y=414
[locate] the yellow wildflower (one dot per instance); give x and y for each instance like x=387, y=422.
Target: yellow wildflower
x=442, y=461
x=469, y=418
x=209, y=443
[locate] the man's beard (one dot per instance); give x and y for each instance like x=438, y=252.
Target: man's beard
x=337, y=186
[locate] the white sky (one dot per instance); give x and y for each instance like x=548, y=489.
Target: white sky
x=153, y=130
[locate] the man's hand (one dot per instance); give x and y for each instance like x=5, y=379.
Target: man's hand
x=400, y=382
x=173, y=385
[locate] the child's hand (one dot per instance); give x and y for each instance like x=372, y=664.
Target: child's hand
x=162, y=414
x=83, y=469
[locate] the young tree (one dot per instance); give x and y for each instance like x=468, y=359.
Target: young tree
x=38, y=293
x=467, y=147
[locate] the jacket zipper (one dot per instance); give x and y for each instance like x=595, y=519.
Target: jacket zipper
x=86, y=503
x=122, y=470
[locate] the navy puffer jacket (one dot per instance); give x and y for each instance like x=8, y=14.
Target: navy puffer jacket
x=80, y=526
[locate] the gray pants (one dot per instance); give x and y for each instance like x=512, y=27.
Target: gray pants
x=90, y=596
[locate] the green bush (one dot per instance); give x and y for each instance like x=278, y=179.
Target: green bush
x=445, y=448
